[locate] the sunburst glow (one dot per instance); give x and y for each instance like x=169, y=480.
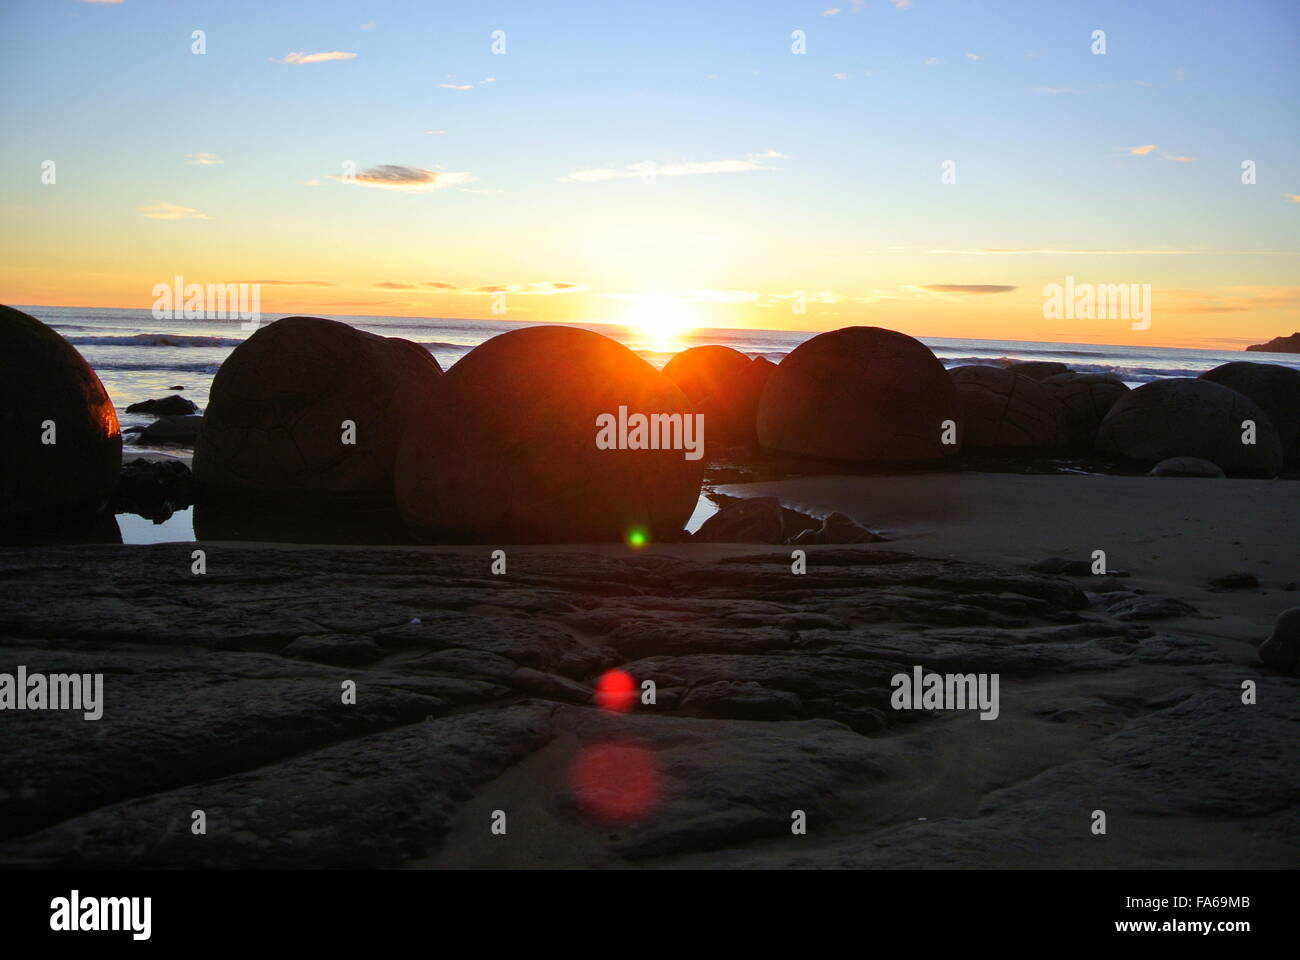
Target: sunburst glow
x=659, y=320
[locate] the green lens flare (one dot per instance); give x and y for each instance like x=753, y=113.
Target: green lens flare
x=637, y=538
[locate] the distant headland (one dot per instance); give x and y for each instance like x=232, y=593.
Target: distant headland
x=1289, y=344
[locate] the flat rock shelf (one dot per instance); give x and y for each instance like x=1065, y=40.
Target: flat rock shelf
x=474, y=699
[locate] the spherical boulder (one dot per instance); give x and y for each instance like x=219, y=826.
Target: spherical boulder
x=1187, y=417
x=1085, y=400
x=1187, y=467
x=551, y=434
x=1276, y=391
x=58, y=429
x=1038, y=369
x=862, y=394
x=724, y=385
x=1004, y=412
x=1282, y=648
x=307, y=405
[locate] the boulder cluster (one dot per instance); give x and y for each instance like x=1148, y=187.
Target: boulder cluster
x=502, y=447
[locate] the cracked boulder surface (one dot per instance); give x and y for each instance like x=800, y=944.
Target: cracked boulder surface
x=475, y=712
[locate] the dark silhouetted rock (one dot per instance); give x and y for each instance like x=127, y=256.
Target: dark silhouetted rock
x=1186, y=467
x=184, y=429
x=1188, y=417
x=1240, y=580
x=1289, y=344
x=45, y=385
x=1282, y=649
x=1085, y=400
x=339, y=649
x=861, y=394
x=1002, y=411
x=837, y=528
x=747, y=520
x=507, y=451
x=166, y=407
x=482, y=701
x=1038, y=369
x=724, y=385
x=1150, y=608
x=1275, y=390
x=154, y=488
x=275, y=417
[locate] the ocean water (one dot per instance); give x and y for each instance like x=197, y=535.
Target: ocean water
x=139, y=357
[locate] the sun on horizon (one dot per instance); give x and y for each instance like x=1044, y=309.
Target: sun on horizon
x=660, y=321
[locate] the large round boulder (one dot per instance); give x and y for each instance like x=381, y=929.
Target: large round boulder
x=1275, y=390
x=1085, y=400
x=49, y=393
x=289, y=398
x=724, y=385
x=1187, y=467
x=1005, y=412
x=1187, y=417
x=862, y=394
x=1038, y=369
x=535, y=436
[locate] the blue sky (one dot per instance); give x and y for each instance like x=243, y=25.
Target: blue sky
x=833, y=184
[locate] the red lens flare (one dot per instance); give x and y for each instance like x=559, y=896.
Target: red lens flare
x=616, y=782
x=616, y=691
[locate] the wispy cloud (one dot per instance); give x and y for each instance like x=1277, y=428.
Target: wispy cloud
x=967, y=287
x=1293, y=197
x=457, y=86
x=540, y=288
x=931, y=61
x=203, y=159
x=898, y=4
x=1180, y=159
x=831, y=12
x=973, y=56
x=682, y=169
x=297, y=283
x=1023, y=251
x=1058, y=90
x=1230, y=299
x=171, y=211
x=840, y=76
x=300, y=57
x=1141, y=151
x=393, y=176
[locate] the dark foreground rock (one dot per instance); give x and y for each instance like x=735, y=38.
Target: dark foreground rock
x=1187, y=467
x=474, y=693
x=154, y=488
x=60, y=445
x=172, y=406
x=1282, y=648
x=184, y=429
